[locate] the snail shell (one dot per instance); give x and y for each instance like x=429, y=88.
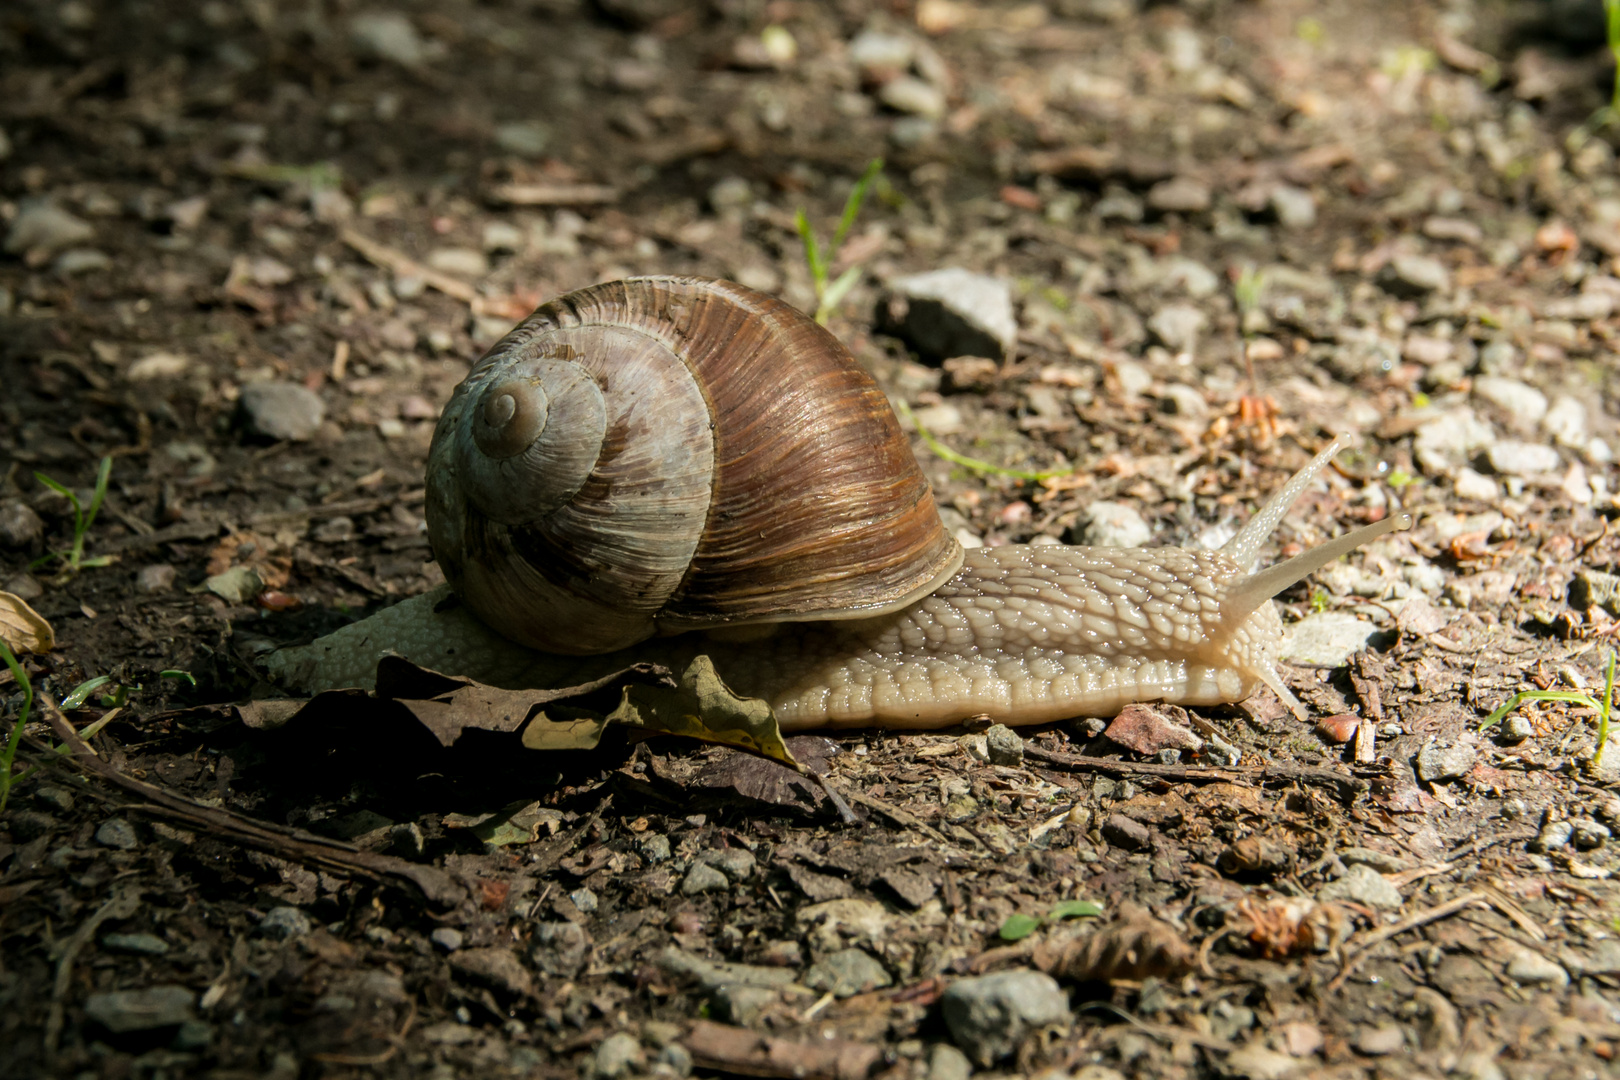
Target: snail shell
x=631, y=461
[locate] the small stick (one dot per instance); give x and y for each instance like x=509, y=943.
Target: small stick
x=1422, y=918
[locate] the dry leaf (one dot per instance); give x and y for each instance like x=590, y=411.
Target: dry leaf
x=1287, y=925
x=704, y=707
x=1134, y=946
x=23, y=629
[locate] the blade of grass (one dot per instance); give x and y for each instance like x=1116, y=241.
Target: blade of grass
x=852, y=205
x=941, y=450
x=812, y=253
x=9, y=754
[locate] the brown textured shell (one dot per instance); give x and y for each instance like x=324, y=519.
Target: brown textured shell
x=815, y=510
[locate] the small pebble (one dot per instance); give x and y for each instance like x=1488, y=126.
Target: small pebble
x=703, y=878
x=618, y=1054
x=140, y=944
x=1003, y=746
x=847, y=972
x=1381, y=1041
x=1178, y=326
x=1295, y=207
x=1553, y=835
x=121, y=1011
x=54, y=797
x=1113, y=524
x=447, y=938
x=946, y=1062
x=1517, y=728
x=1415, y=275
x=1364, y=885
x=655, y=848
x=1436, y=764
x=989, y=1015
x=156, y=578
x=117, y=833
x=1587, y=834
x=285, y=922
x=1522, y=459
x=1181, y=194
x=1532, y=967
x=951, y=312
x=584, y=899
x=46, y=228
x=20, y=526
x=280, y=411
x=736, y=863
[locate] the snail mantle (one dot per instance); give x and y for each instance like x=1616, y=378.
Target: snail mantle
x=662, y=468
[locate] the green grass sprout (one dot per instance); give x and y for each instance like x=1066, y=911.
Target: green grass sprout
x=830, y=294
x=1573, y=697
x=73, y=560
x=14, y=740
x=1019, y=926
x=945, y=452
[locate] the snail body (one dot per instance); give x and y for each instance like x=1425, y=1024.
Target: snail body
x=816, y=533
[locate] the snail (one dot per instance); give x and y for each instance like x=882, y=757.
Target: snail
x=655, y=456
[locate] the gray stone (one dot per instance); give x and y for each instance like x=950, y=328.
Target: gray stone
x=737, y=1003
x=941, y=419
x=121, y=1011
x=156, y=578
x=951, y=312
x=989, y=1016
x=1516, y=728
x=736, y=863
x=448, y=938
x=1532, y=967
x=1256, y=1062
x=617, y=1055
x=1295, y=207
x=1179, y=194
x=1522, y=459
x=946, y=1062
x=20, y=527
x=1382, y=861
x=909, y=94
x=117, y=833
x=1363, y=885
x=561, y=948
x=1127, y=833
x=1178, y=326
x=1327, y=639
x=281, y=410
x=42, y=226
x=711, y=974
x=388, y=35
x=1445, y=442
x=525, y=138
x=76, y=261
x=1380, y=1041
x=655, y=848
x=1553, y=835
x=1587, y=834
x=140, y=944
x=1003, y=746
x=703, y=878
x=584, y=899
x=1566, y=422
x=877, y=51
x=285, y=922
x=1112, y=524
x=1522, y=402
x=24, y=587
x=1119, y=204
x=1469, y=484
x=846, y=973
x=1603, y=960
x=54, y=797
x=1415, y=275
x=1437, y=764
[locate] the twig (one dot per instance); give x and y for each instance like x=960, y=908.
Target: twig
x=1348, y=787
x=402, y=265
x=1422, y=918
x=434, y=884
x=898, y=816
x=554, y=194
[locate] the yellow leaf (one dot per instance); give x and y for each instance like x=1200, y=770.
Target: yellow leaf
x=23, y=629
x=704, y=707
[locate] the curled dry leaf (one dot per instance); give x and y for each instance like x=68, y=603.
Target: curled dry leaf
x=1289, y=925
x=23, y=629
x=1134, y=946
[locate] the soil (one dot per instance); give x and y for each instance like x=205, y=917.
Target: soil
x=1230, y=230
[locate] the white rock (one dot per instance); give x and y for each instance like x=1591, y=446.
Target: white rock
x=1524, y=403
x=45, y=227
x=1566, y=421
x=1512, y=458
x=1112, y=524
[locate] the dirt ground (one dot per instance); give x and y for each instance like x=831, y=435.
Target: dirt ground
x=1230, y=229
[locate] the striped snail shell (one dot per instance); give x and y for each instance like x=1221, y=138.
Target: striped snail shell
x=664, y=454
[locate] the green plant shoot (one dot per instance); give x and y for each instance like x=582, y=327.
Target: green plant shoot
x=1573, y=697
x=1019, y=926
x=945, y=452
x=73, y=559
x=9, y=753
x=830, y=295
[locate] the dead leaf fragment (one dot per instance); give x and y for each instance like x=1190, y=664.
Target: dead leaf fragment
x=1133, y=947
x=704, y=707
x=1289, y=925
x=23, y=629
